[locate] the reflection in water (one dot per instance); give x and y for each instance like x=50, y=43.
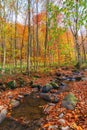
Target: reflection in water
x=30, y=110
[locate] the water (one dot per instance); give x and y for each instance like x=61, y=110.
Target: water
x=30, y=110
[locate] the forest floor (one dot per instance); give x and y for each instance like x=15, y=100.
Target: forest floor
x=49, y=114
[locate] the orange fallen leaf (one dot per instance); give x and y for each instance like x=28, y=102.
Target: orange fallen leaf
x=46, y=125
x=8, y=115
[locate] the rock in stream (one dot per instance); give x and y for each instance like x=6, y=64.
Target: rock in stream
x=31, y=111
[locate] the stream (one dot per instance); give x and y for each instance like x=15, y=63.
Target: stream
x=30, y=110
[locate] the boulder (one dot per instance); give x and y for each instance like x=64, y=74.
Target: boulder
x=78, y=78
x=12, y=84
x=21, y=82
x=36, y=86
x=47, y=88
x=75, y=71
x=49, y=97
x=54, y=85
x=3, y=113
x=62, y=86
x=68, y=78
x=69, y=101
x=73, y=79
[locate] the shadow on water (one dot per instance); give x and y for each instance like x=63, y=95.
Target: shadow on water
x=30, y=110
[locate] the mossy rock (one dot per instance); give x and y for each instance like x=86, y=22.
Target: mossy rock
x=69, y=101
x=55, y=85
x=47, y=88
x=12, y=84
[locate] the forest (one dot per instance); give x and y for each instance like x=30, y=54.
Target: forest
x=43, y=64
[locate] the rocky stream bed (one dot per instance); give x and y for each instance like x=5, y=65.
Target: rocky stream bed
x=33, y=110
x=30, y=111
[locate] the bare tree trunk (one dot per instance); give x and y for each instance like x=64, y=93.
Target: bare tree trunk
x=4, y=42
x=83, y=47
x=29, y=39
x=37, y=42
x=21, y=49
x=58, y=55
x=46, y=34
x=11, y=45
x=1, y=45
x=84, y=52
x=15, y=42
x=4, y=52
x=75, y=35
x=34, y=49
x=78, y=51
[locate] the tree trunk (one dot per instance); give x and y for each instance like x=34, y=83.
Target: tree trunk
x=46, y=34
x=37, y=42
x=29, y=40
x=78, y=52
x=83, y=47
x=22, y=45
x=15, y=42
x=76, y=38
x=84, y=53
x=4, y=42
